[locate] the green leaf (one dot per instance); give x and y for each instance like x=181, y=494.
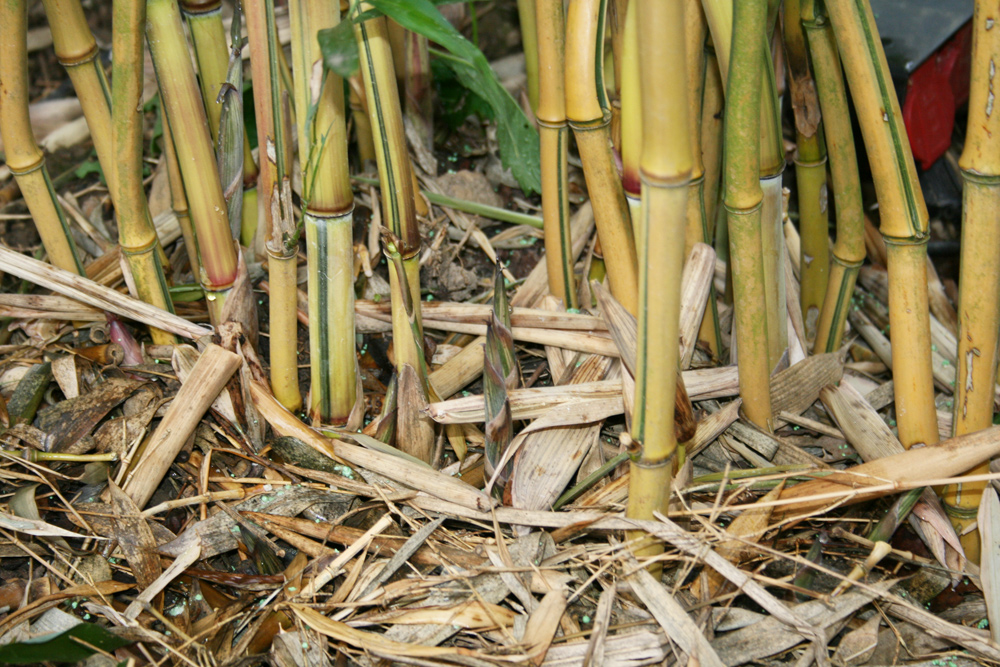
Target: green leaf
x=88, y=167
x=518, y=139
x=340, y=49
x=70, y=645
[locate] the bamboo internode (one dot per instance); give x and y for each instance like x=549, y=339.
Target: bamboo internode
x=195, y=155
x=24, y=158
x=979, y=279
x=591, y=127
x=849, y=249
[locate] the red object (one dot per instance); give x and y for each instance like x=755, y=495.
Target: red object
x=935, y=90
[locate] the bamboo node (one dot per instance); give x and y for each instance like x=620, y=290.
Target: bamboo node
x=35, y=166
x=920, y=239
x=82, y=59
x=732, y=210
x=811, y=164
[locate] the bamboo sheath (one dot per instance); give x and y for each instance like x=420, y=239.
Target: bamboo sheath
x=25, y=160
x=979, y=278
x=903, y=213
x=849, y=249
x=195, y=155
x=550, y=112
x=135, y=233
x=327, y=216
x=743, y=202
x=590, y=124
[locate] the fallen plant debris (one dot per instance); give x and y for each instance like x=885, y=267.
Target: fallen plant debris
x=324, y=388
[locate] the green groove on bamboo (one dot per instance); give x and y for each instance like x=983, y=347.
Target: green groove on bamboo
x=979, y=278
x=24, y=158
x=137, y=238
x=630, y=111
x=591, y=126
x=550, y=112
x=903, y=216
x=399, y=211
x=744, y=202
x=328, y=205
x=195, y=154
x=666, y=166
x=849, y=248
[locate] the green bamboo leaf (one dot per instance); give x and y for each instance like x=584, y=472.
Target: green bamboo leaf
x=340, y=49
x=517, y=137
x=70, y=645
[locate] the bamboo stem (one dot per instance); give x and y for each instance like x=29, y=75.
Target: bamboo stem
x=810, y=171
x=25, y=160
x=182, y=103
x=328, y=216
x=849, y=249
x=208, y=377
x=178, y=199
x=590, y=123
x=137, y=238
x=550, y=112
x=208, y=35
x=399, y=210
x=666, y=166
x=275, y=189
x=903, y=212
x=530, y=42
x=979, y=280
x=743, y=202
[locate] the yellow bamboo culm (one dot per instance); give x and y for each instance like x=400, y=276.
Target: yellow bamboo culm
x=700, y=229
x=590, y=122
x=903, y=216
x=328, y=207
x=77, y=51
x=399, y=212
x=137, y=238
x=666, y=166
x=274, y=190
x=550, y=112
x=744, y=202
x=208, y=35
x=979, y=278
x=810, y=172
x=24, y=158
x=195, y=155
x=849, y=249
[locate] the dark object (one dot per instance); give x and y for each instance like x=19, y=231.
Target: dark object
x=928, y=45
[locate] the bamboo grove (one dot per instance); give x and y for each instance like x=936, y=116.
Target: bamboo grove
x=693, y=113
